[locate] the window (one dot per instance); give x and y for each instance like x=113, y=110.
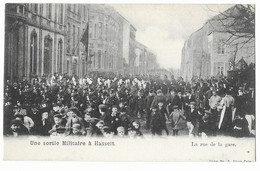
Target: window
x=83, y=67
x=75, y=67
x=33, y=53
x=84, y=13
x=219, y=68
x=47, y=65
x=35, y=8
x=74, y=8
x=89, y=61
x=68, y=66
x=68, y=39
x=221, y=47
x=99, y=59
x=105, y=60
x=60, y=19
x=59, y=62
x=68, y=30
x=94, y=60
x=100, y=30
x=110, y=62
x=78, y=39
x=95, y=34
x=78, y=11
x=74, y=39
x=106, y=32
x=48, y=10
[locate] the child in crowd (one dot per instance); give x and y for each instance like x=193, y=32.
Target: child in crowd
x=156, y=121
x=176, y=117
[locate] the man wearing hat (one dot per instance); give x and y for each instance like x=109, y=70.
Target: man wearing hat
x=124, y=119
x=156, y=121
x=173, y=100
x=214, y=102
x=98, y=129
x=159, y=97
x=104, y=115
x=115, y=120
x=43, y=124
x=57, y=124
x=225, y=122
x=205, y=128
x=192, y=119
x=17, y=128
x=147, y=104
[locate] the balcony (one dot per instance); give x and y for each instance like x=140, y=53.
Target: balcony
x=15, y=10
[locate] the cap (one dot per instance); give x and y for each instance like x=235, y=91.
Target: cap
x=154, y=107
x=100, y=123
x=106, y=129
x=57, y=115
x=193, y=103
x=16, y=122
x=175, y=107
x=60, y=130
x=102, y=106
x=114, y=106
x=74, y=110
x=123, y=109
x=208, y=112
x=76, y=125
x=159, y=91
x=119, y=129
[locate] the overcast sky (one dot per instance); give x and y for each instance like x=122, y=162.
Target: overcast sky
x=164, y=28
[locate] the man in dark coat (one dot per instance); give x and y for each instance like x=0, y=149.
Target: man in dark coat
x=104, y=115
x=156, y=122
x=159, y=97
x=43, y=125
x=17, y=129
x=147, y=105
x=192, y=120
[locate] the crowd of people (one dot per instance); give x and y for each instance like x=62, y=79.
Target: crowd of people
x=110, y=105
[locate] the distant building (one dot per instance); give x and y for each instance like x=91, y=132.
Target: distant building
x=206, y=54
x=34, y=40
x=76, y=19
x=104, y=38
x=132, y=46
x=141, y=58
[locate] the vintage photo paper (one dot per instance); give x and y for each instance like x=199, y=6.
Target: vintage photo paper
x=129, y=82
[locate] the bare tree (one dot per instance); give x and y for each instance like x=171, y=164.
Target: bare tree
x=239, y=24
x=233, y=60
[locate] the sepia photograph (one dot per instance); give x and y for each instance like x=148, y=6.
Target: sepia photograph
x=129, y=79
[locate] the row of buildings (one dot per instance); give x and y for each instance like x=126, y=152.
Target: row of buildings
x=206, y=52
x=43, y=39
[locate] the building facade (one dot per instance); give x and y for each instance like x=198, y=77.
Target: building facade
x=206, y=52
x=43, y=39
x=105, y=40
x=76, y=23
x=34, y=40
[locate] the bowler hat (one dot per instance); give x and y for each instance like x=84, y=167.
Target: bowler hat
x=16, y=122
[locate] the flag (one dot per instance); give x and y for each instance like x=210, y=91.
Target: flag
x=84, y=37
x=84, y=40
